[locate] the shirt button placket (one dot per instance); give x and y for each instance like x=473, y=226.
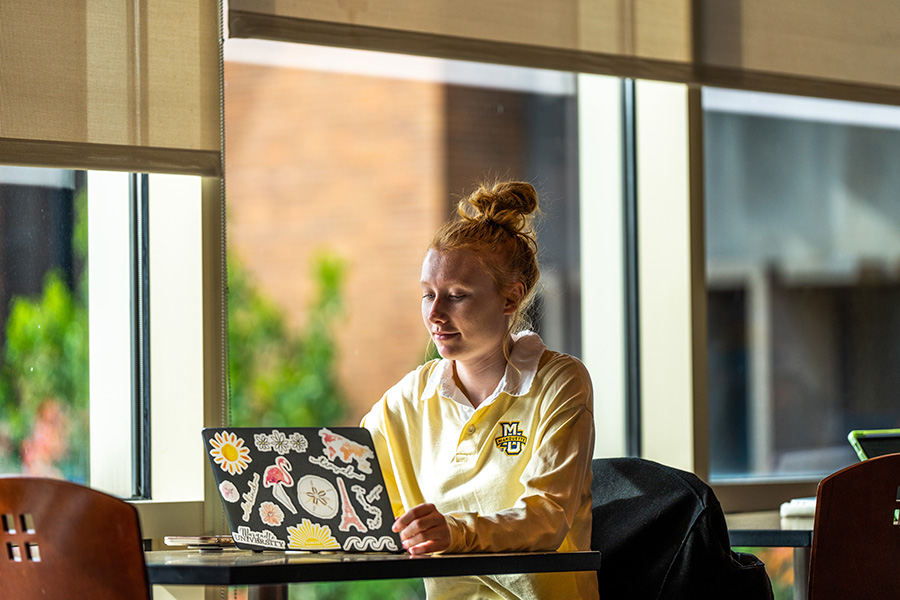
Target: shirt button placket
x=467, y=442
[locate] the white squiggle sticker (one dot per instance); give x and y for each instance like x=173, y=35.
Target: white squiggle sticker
x=347, y=471
x=370, y=543
x=366, y=501
x=250, y=497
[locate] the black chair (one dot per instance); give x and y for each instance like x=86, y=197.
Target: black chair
x=662, y=535
x=856, y=533
x=64, y=540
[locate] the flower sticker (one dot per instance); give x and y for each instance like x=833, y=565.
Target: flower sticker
x=298, y=442
x=229, y=452
x=279, y=442
x=262, y=442
x=271, y=514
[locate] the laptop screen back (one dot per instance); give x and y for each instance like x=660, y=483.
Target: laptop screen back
x=878, y=442
x=302, y=488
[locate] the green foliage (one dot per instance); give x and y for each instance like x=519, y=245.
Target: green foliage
x=281, y=378
x=278, y=377
x=388, y=589
x=44, y=381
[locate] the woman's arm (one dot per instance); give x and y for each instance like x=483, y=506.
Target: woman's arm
x=423, y=530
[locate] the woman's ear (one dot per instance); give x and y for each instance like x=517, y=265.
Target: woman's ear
x=515, y=293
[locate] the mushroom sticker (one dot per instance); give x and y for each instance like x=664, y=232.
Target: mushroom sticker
x=278, y=476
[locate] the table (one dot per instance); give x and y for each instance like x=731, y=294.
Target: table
x=763, y=530
x=272, y=571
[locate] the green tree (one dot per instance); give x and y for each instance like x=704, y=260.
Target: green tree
x=44, y=382
x=279, y=377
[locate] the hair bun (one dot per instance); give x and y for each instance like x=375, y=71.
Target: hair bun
x=509, y=204
x=496, y=225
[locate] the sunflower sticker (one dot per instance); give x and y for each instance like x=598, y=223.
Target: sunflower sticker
x=229, y=452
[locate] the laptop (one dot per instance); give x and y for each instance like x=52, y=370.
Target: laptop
x=874, y=442
x=302, y=488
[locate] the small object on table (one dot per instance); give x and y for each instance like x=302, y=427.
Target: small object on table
x=203, y=543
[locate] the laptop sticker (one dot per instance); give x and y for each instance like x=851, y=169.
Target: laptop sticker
x=302, y=488
x=317, y=496
x=349, y=518
x=281, y=443
x=311, y=536
x=366, y=502
x=266, y=539
x=346, y=450
x=229, y=492
x=229, y=452
x=347, y=471
x=271, y=514
x=370, y=543
x=250, y=497
x=278, y=477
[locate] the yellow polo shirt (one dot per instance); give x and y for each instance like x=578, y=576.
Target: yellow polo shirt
x=512, y=475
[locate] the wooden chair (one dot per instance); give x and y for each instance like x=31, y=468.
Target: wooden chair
x=63, y=540
x=856, y=533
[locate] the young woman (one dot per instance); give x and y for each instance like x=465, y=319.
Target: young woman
x=488, y=449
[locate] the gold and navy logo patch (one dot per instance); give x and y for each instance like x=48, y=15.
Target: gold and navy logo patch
x=510, y=440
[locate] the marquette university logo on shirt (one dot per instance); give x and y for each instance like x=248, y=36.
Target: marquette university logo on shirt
x=510, y=440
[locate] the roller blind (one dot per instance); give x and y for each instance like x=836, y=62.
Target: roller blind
x=829, y=48
x=817, y=47
x=609, y=36
x=110, y=84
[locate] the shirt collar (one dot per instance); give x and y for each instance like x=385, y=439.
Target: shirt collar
x=520, y=371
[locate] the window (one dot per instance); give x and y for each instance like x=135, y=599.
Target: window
x=803, y=262
x=342, y=164
x=43, y=323
x=76, y=253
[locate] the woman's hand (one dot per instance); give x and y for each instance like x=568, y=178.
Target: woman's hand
x=423, y=530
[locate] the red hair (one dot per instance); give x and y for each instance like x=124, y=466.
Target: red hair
x=496, y=225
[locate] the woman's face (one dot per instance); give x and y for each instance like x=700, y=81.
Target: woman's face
x=463, y=312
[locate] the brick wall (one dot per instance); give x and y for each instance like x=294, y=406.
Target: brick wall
x=347, y=163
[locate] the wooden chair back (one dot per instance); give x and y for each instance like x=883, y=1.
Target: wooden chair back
x=63, y=540
x=856, y=533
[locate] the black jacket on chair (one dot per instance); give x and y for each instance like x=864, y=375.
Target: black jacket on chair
x=662, y=536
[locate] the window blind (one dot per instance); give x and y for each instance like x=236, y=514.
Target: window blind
x=109, y=84
x=828, y=48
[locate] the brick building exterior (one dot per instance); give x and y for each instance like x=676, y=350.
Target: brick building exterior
x=364, y=167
